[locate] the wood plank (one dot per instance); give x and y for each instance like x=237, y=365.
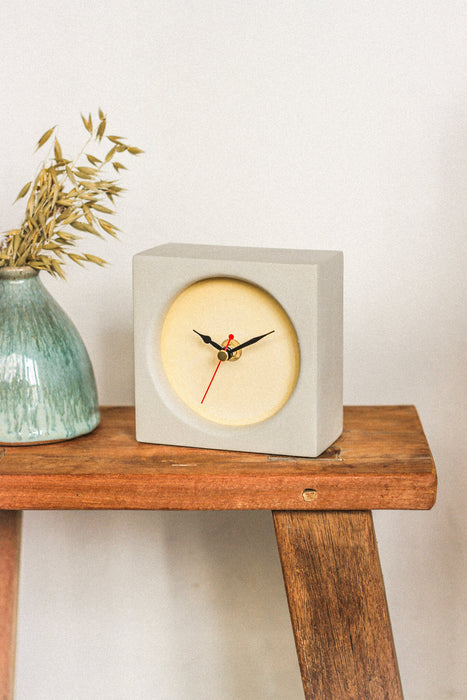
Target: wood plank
x=10, y=541
x=382, y=460
x=338, y=605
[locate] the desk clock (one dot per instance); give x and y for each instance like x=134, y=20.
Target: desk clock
x=238, y=348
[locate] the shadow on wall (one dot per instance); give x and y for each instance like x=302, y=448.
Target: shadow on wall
x=115, y=374
x=228, y=565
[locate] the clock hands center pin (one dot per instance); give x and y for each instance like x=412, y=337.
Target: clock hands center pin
x=234, y=351
x=222, y=350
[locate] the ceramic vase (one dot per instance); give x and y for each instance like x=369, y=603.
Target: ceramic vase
x=47, y=386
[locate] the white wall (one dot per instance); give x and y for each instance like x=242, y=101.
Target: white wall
x=339, y=125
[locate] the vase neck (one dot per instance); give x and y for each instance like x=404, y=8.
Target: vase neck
x=17, y=273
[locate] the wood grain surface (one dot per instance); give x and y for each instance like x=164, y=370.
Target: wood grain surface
x=10, y=540
x=338, y=605
x=382, y=460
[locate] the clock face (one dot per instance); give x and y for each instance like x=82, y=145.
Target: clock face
x=228, y=386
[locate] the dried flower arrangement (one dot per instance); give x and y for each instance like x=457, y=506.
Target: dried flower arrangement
x=65, y=198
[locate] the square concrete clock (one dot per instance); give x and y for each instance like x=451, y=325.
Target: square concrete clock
x=238, y=348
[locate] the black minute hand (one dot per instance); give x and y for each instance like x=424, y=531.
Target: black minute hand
x=250, y=342
x=208, y=340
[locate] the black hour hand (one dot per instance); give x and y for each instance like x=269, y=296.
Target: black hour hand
x=250, y=342
x=208, y=340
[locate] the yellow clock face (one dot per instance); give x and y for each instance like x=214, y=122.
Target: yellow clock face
x=202, y=330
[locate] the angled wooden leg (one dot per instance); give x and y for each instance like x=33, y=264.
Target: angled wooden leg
x=10, y=540
x=338, y=605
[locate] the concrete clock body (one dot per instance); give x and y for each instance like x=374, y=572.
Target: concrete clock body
x=238, y=348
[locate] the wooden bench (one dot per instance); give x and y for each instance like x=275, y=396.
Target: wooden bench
x=322, y=517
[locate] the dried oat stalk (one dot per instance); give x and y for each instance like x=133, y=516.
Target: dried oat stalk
x=66, y=200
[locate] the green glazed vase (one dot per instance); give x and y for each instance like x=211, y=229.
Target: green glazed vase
x=47, y=386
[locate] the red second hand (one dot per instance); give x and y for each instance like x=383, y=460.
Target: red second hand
x=215, y=371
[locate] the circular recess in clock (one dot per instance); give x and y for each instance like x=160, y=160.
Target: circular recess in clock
x=229, y=351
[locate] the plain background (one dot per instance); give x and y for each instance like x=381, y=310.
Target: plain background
x=334, y=125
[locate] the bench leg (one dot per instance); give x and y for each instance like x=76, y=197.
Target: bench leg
x=337, y=605
x=10, y=540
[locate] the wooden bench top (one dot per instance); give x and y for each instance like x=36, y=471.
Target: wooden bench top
x=382, y=460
